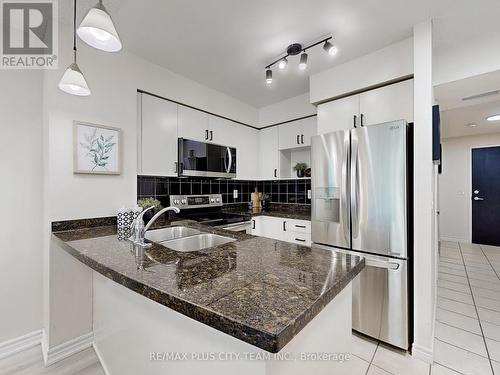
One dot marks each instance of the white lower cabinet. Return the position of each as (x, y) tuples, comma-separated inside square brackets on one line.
[(278, 228)]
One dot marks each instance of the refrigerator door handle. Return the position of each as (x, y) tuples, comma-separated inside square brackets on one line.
[(343, 193), (354, 188), (381, 264)]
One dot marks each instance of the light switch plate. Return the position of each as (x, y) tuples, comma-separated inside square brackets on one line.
[(235, 193), (308, 194)]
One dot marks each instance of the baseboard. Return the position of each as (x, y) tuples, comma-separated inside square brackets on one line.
[(101, 359), (18, 344), (454, 239), (424, 354), (66, 349)]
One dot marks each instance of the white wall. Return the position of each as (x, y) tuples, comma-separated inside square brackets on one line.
[(21, 190), (389, 63), (455, 185), (289, 109), (424, 257)]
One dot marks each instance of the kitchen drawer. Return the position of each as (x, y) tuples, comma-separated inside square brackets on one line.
[(299, 226), (299, 238)]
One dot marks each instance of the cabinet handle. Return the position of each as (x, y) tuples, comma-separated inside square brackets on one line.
[(284, 226), (276, 173), (355, 121), (176, 167), (300, 240), (302, 138), (253, 224), (206, 135), (298, 139), (362, 117), (300, 226), (211, 135)]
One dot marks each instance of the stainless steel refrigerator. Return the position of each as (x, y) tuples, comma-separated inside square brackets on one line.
[(360, 205)]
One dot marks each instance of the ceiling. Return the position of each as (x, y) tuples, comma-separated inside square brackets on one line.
[(457, 113), (225, 44), (454, 122)]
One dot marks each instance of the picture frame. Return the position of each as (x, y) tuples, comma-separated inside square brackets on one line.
[(97, 149)]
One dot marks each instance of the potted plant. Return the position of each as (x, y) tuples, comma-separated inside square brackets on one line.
[(146, 203), (300, 168), (266, 199)]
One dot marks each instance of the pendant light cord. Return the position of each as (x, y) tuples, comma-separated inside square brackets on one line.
[(74, 31)]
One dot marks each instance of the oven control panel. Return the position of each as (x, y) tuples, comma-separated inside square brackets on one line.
[(196, 201)]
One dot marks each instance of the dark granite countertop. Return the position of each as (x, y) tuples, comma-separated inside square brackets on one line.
[(256, 289)]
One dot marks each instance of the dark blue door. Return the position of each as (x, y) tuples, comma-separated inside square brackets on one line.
[(486, 196)]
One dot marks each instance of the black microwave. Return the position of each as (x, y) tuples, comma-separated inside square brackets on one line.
[(202, 159)]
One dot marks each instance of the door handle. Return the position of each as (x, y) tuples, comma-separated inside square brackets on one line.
[(206, 134), (253, 224), (354, 189), (276, 173), (343, 193), (229, 154), (478, 199), (381, 264), (302, 138), (298, 139), (361, 119), (284, 225), (300, 240), (300, 226), (176, 169), (355, 120), (211, 135)]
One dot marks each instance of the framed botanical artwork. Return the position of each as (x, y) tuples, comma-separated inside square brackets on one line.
[(96, 149)]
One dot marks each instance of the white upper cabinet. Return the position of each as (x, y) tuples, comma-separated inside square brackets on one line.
[(389, 103), (338, 114), (246, 141), (158, 134), (268, 154), (221, 131), (309, 129), (193, 124), (297, 133), (289, 134)]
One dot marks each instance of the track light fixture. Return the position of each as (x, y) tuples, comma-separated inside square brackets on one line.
[(303, 61), (296, 49), (283, 63), (269, 76)]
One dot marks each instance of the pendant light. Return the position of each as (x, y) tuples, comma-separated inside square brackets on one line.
[(269, 76), (303, 61), (73, 82), (97, 30)]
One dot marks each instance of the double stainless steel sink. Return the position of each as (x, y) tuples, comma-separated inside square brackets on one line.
[(186, 239)]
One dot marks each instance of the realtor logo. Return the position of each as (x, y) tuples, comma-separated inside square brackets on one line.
[(29, 34)]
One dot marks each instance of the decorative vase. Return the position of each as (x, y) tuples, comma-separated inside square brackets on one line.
[(300, 173)]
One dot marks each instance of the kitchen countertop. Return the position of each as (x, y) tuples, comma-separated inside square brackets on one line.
[(256, 289)]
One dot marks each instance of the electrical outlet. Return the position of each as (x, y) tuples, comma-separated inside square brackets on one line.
[(308, 194), (235, 193)]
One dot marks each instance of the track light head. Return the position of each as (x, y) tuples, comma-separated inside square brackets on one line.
[(283, 63), (269, 76), (303, 61), (330, 48)]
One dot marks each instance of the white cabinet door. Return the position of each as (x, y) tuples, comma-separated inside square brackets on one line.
[(158, 137), (272, 227), (389, 103), (257, 225), (193, 124), (269, 153), (338, 114), (309, 129), (246, 141), (221, 131), (289, 134)]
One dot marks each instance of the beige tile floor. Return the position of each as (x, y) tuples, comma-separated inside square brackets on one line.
[(467, 335)]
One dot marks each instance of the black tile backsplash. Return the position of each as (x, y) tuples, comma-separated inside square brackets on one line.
[(280, 191)]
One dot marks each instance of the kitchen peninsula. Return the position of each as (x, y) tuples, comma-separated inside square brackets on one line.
[(251, 295)]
